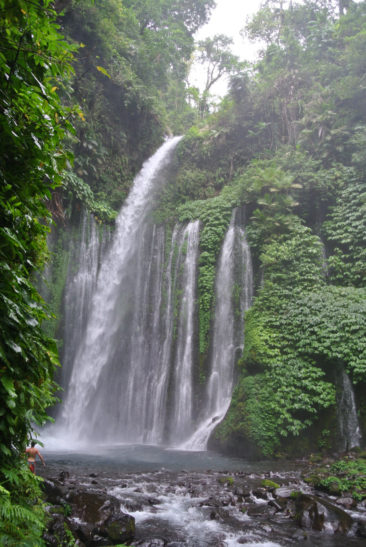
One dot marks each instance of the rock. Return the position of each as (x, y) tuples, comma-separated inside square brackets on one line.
[(284, 492), (271, 485), (57, 531), (242, 492), (63, 475), (99, 520), (276, 505), (319, 514), (346, 502), (361, 528), (54, 492), (260, 493), (118, 527), (260, 510)]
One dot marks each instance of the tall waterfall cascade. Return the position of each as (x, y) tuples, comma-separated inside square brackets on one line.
[(131, 328)]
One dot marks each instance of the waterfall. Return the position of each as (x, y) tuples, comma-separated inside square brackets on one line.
[(79, 288), (182, 413), (126, 345), (233, 282), (130, 333), (347, 414), (174, 364)]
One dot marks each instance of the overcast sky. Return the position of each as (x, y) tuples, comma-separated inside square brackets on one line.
[(228, 18)]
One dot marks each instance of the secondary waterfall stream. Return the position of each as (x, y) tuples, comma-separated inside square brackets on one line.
[(349, 428), (234, 280), (131, 327)]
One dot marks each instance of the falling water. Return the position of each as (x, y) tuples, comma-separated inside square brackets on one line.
[(233, 281), (175, 362), (116, 366), (347, 412), (131, 329), (182, 414), (79, 288)]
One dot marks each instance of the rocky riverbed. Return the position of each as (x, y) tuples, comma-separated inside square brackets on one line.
[(197, 509)]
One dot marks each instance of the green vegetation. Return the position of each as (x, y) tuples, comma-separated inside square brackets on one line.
[(129, 79), (269, 484), (35, 62), (346, 476), (228, 481), (287, 145)]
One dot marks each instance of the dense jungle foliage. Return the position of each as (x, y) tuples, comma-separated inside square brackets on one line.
[(34, 62), (287, 145), (130, 72)]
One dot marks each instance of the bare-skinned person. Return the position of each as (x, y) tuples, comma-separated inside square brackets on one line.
[(32, 453)]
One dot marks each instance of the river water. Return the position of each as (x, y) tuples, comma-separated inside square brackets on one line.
[(193, 499), (147, 458)]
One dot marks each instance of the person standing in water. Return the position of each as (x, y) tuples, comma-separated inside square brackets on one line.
[(32, 452)]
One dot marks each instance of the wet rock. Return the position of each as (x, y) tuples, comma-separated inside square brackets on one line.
[(284, 492), (259, 510), (260, 493), (54, 492), (56, 533), (63, 475), (98, 519), (321, 515), (242, 492), (138, 503), (276, 505), (361, 529), (346, 502)]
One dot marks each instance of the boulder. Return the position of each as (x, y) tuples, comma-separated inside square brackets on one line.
[(54, 491), (361, 529), (321, 515), (99, 518), (260, 493), (348, 503), (58, 532)]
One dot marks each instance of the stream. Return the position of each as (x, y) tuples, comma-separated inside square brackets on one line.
[(200, 499)]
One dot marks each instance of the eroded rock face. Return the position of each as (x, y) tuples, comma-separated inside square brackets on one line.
[(93, 517)]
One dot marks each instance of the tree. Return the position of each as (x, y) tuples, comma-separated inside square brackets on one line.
[(215, 55)]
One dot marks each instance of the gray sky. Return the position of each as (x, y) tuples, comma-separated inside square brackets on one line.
[(228, 18)]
